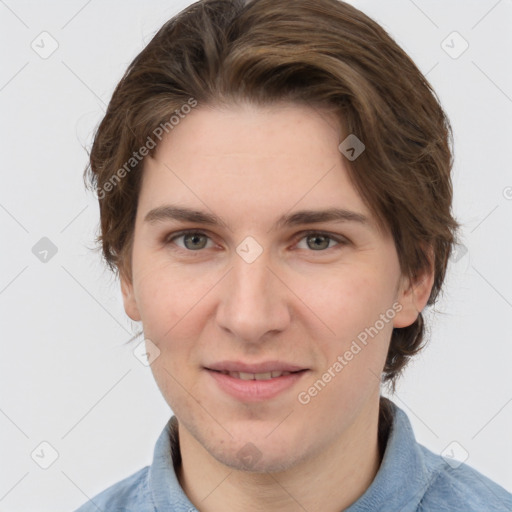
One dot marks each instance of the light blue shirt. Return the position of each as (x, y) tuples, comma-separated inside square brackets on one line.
[(410, 478)]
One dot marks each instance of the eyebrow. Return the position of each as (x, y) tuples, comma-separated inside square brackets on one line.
[(180, 213)]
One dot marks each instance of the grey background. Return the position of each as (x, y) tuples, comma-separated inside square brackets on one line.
[(65, 374)]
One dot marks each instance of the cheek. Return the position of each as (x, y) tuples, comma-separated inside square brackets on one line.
[(347, 300), (173, 315), (354, 356), (175, 303), (355, 345), (171, 300)]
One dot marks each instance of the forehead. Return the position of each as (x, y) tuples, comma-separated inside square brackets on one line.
[(252, 161), (285, 131)]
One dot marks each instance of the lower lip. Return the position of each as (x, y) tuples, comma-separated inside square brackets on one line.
[(255, 390)]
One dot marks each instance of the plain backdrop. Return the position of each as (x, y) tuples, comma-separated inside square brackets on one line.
[(66, 376)]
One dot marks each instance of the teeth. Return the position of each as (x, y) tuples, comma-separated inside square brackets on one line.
[(263, 376), (256, 376)]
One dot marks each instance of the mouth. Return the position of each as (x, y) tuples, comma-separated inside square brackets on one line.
[(257, 376), (255, 387)]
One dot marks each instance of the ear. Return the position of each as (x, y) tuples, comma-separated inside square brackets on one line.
[(413, 296), (130, 304)]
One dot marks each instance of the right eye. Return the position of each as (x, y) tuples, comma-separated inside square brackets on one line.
[(193, 241)]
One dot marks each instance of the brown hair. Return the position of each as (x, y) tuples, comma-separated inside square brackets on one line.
[(324, 53)]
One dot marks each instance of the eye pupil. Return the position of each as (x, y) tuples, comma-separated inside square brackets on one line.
[(321, 238), (194, 237)]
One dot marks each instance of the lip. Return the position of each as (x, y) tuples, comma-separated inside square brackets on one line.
[(255, 390), (263, 367)]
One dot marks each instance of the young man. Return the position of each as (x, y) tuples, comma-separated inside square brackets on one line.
[(275, 193)]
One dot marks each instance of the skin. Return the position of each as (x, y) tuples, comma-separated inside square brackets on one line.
[(296, 303)]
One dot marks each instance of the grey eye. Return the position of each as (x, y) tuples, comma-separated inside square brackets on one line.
[(194, 241), (318, 241)]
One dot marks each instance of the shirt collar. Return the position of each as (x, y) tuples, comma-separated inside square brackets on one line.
[(164, 485), (399, 484)]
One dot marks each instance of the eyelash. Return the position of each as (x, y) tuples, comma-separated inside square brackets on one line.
[(341, 241)]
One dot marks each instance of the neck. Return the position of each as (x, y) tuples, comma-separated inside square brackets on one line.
[(331, 480)]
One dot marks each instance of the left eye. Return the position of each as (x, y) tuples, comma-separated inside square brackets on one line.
[(319, 241)]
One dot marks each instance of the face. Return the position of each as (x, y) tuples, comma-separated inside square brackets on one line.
[(250, 285)]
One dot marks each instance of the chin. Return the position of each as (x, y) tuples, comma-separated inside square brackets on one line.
[(260, 463)]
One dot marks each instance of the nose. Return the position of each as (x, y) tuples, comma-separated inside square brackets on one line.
[(254, 301)]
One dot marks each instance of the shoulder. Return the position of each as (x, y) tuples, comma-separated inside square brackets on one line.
[(128, 495), (462, 488)]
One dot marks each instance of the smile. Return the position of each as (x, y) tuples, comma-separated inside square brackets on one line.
[(255, 387), (256, 376)]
